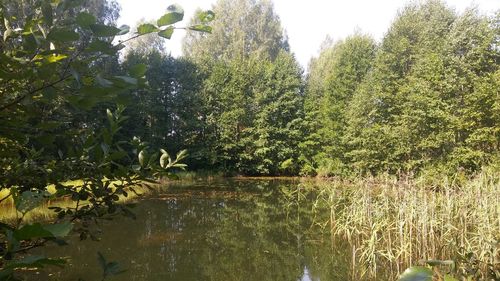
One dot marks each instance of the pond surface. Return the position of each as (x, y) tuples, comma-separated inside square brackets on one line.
[(223, 230)]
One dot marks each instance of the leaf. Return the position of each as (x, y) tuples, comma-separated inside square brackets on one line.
[(138, 70), (175, 14), (102, 30), (103, 82), (167, 33), (181, 155), (146, 28), (101, 46), (34, 262), (113, 268), (7, 34), (108, 268), (85, 20), (63, 35), (101, 260), (164, 159), (206, 16), (31, 231), (124, 29), (47, 13), (59, 230), (75, 75), (128, 80), (6, 274), (416, 273), (28, 201), (49, 125), (141, 157), (110, 116), (55, 58), (201, 28)]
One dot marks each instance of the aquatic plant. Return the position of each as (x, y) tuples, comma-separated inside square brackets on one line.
[(393, 224)]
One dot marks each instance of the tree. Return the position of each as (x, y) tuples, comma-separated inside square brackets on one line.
[(47, 78), (168, 112), (333, 79), (414, 110), (277, 126), (242, 27), (252, 111)]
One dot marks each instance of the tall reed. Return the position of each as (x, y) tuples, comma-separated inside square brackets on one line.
[(393, 224)]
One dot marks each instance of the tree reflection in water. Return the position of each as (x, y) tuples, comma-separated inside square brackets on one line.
[(228, 230)]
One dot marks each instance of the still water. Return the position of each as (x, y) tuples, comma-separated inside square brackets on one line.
[(222, 230)]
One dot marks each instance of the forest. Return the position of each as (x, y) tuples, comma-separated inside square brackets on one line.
[(423, 99), (92, 113)]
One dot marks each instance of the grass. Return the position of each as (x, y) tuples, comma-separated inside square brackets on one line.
[(9, 214), (393, 224)]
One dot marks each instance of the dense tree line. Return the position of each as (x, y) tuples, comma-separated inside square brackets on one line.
[(424, 98), (235, 101)]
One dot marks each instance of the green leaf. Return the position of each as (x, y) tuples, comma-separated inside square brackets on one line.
[(124, 29), (416, 273), (108, 268), (59, 230), (102, 30), (146, 28), (29, 200), (31, 231), (206, 16), (101, 46), (63, 35), (6, 274), (85, 20), (8, 33), (75, 75), (103, 82), (175, 14), (181, 155), (101, 260), (128, 80), (201, 28), (55, 57), (138, 70), (34, 262), (47, 13), (167, 33)]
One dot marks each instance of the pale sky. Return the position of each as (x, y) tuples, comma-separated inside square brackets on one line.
[(307, 23)]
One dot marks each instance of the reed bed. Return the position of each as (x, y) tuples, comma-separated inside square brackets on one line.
[(393, 224)]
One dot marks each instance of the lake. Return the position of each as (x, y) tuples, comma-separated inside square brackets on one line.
[(219, 230)]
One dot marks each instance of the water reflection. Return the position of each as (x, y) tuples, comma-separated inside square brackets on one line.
[(231, 230)]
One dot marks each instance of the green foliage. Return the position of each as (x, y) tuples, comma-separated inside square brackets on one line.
[(254, 113), (242, 28), (108, 268), (416, 273), (333, 79), (56, 81), (424, 99)]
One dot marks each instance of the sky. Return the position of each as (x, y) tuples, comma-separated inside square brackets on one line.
[(307, 23)]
